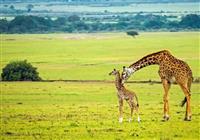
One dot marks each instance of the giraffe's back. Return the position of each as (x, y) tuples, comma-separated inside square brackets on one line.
[(173, 67), (129, 95)]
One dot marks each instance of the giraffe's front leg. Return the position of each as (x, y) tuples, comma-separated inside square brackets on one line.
[(120, 110)]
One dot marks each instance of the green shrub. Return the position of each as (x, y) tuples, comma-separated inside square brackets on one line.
[(20, 71), (132, 33)]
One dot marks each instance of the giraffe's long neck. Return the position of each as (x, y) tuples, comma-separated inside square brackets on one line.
[(118, 81), (151, 59)]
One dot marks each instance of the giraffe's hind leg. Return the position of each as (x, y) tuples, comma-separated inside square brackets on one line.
[(137, 111), (130, 102), (186, 91), (166, 85)]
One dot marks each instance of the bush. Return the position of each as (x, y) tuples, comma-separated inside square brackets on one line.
[(192, 21), (20, 71), (132, 33)]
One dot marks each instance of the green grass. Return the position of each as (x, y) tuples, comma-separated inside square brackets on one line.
[(93, 56), (61, 110)]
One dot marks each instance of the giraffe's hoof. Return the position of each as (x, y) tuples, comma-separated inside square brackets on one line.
[(139, 120), (188, 118), (120, 120), (166, 118), (130, 120)]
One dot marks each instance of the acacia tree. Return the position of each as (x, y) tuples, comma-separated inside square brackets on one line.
[(12, 7), (29, 7), (132, 33)]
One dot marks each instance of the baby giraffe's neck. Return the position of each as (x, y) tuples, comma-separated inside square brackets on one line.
[(118, 81)]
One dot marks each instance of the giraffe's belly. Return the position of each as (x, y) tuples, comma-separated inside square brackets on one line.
[(122, 95)]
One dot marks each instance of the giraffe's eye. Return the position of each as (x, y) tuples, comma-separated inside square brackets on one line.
[(124, 74)]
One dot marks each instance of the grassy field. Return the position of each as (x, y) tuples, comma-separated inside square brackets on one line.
[(64, 110), (92, 56), (60, 110)]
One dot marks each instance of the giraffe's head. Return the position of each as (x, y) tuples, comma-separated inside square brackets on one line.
[(126, 73), (114, 72)]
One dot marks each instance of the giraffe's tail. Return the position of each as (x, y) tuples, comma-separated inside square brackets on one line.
[(189, 83), (183, 102), (137, 100)]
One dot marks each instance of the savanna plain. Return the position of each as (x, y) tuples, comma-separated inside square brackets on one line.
[(89, 110)]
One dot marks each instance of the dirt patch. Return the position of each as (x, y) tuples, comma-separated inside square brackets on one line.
[(9, 133), (74, 37), (98, 81), (101, 81), (90, 64), (46, 38), (10, 39), (86, 36)]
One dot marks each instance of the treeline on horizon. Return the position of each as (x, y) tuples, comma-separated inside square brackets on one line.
[(73, 23), (103, 1)]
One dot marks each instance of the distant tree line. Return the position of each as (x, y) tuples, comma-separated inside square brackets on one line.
[(103, 1), (73, 23)]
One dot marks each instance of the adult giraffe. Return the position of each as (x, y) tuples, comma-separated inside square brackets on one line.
[(169, 67)]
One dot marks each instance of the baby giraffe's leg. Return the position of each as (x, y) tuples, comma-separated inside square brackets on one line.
[(120, 110), (137, 111), (130, 102)]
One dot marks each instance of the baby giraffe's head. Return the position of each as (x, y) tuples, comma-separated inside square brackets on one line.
[(114, 72), (118, 80)]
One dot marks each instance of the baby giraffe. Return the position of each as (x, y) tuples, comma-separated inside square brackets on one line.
[(124, 94)]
